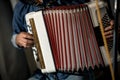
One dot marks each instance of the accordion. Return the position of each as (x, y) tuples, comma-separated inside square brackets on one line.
[(65, 39)]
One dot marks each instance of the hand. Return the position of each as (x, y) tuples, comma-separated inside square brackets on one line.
[(109, 31), (25, 40), (39, 1)]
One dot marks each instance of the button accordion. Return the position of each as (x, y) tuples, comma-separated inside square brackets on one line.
[(65, 39)]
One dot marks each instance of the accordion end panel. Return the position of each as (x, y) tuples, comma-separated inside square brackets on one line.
[(105, 21), (43, 42)]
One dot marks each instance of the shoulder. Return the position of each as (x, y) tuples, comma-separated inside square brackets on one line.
[(21, 8)]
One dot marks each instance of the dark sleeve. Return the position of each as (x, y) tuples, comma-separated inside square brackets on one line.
[(20, 10)]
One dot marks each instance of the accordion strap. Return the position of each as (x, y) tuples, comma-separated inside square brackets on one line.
[(105, 41)]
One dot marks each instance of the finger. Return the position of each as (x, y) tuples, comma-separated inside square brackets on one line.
[(28, 43), (22, 42), (111, 26), (111, 22), (109, 33), (30, 37), (108, 28), (109, 37), (24, 45), (27, 35)]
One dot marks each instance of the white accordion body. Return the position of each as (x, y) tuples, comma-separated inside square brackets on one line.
[(44, 42), (66, 38)]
